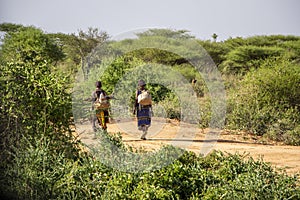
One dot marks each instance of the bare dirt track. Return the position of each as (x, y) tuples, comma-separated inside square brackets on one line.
[(164, 132)]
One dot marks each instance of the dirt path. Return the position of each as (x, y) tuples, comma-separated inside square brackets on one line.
[(184, 135)]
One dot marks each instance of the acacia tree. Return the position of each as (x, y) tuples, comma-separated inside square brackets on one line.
[(167, 33), (83, 44)]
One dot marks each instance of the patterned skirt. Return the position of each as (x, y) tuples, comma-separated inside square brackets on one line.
[(106, 114), (144, 116)]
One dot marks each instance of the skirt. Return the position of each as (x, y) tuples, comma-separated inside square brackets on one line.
[(144, 116), (106, 114)]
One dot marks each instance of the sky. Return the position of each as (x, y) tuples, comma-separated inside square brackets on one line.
[(202, 18)]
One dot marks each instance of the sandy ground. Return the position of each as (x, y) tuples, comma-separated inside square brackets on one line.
[(201, 141)]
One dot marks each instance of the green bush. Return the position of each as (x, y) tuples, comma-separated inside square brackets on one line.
[(267, 101), (171, 106), (43, 171), (34, 99), (36, 169), (35, 103)]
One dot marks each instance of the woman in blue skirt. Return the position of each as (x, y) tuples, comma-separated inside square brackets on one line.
[(143, 108)]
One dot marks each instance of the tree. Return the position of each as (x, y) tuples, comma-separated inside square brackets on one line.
[(84, 43), (78, 46), (243, 58), (216, 50), (10, 28), (175, 34), (214, 36), (29, 45)]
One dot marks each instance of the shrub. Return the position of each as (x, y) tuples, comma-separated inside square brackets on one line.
[(35, 103), (43, 172), (267, 100), (34, 99), (171, 106)]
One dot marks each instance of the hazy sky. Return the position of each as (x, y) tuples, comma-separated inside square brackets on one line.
[(226, 18)]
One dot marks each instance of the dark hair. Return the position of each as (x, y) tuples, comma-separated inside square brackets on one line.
[(98, 84)]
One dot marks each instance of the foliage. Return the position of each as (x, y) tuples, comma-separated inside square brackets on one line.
[(216, 50), (39, 173), (40, 159), (244, 58), (38, 167), (158, 56), (79, 46), (268, 100), (237, 178), (167, 33), (243, 54), (29, 45), (34, 101), (118, 68), (31, 92), (9, 27), (171, 106), (263, 40)]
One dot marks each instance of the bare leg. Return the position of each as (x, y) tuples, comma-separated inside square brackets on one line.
[(94, 121), (144, 129)]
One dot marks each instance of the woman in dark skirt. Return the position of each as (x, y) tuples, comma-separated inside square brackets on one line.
[(143, 112)]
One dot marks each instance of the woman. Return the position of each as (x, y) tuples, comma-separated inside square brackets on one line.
[(143, 112), (99, 94)]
